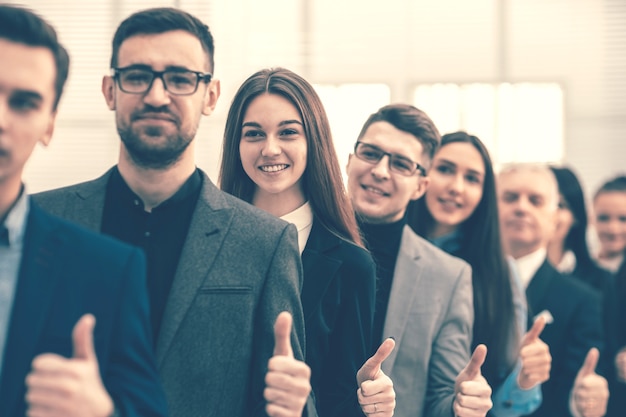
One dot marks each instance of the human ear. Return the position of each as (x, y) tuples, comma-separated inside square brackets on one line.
[(108, 91), (211, 96)]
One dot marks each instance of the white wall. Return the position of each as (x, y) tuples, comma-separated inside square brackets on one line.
[(401, 43)]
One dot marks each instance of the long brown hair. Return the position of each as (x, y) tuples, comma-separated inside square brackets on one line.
[(322, 181)]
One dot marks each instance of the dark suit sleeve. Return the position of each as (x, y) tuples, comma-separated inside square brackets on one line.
[(350, 341), (586, 332), (131, 377), (281, 292)]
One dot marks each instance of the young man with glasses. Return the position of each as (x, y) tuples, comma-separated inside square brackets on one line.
[(219, 270), (424, 296)]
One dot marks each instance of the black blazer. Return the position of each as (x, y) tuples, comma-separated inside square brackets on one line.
[(615, 306), (66, 272), (577, 327), (338, 298)]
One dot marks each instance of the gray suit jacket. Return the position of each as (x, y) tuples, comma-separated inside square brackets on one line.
[(238, 269), (430, 315)]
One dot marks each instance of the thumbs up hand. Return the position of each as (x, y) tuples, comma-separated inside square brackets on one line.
[(591, 392), (58, 386), (287, 382), (535, 357), (472, 392), (376, 394)]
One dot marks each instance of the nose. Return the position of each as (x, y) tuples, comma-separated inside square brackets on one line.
[(271, 147), (521, 205), (5, 110), (613, 226), (456, 185), (157, 95), (380, 170)]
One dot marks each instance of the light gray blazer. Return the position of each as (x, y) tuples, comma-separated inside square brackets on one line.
[(238, 269), (430, 315)]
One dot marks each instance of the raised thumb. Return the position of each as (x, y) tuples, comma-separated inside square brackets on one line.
[(282, 335), (589, 366), (472, 370), (535, 331), (82, 338), (371, 367)]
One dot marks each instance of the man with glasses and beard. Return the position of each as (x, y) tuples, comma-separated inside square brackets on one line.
[(219, 270)]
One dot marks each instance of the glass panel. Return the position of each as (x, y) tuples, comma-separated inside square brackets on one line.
[(348, 106), (520, 122)]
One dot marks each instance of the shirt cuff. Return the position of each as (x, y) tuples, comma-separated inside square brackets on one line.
[(510, 400)]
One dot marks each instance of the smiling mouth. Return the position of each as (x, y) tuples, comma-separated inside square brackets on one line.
[(273, 168), (374, 190), (154, 119), (450, 204)]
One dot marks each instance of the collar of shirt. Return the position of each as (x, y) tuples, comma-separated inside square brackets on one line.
[(302, 218), (383, 239), (568, 263), (126, 196), (612, 264), (14, 226), (528, 265), (450, 243)]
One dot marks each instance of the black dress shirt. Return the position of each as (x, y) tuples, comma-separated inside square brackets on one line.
[(383, 241), (161, 233)]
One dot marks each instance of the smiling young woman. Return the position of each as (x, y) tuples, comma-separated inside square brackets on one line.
[(278, 155), (459, 214)]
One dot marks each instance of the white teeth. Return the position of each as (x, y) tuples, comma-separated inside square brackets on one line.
[(273, 168), (450, 203), (375, 190)]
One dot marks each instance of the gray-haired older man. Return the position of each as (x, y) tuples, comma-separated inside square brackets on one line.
[(528, 201)]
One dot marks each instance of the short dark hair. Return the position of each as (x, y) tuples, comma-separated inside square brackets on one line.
[(409, 119), (160, 20), (616, 184), (322, 181), (21, 25)]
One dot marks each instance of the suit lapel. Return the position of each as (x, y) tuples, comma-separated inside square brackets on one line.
[(403, 293), (319, 266), (209, 225), (85, 204), (37, 278)]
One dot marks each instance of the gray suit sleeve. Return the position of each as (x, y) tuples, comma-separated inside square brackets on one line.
[(281, 292), (451, 348)]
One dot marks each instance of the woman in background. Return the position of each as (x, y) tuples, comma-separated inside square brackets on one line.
[(459, 214), (278, 155), (568, 250)]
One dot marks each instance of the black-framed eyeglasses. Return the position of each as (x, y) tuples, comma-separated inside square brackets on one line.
[(397, 163), (179, 82)]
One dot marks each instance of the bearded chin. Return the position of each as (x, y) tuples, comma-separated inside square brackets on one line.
[(151, 155)]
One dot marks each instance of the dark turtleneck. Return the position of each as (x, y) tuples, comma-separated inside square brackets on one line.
[(383, 242)]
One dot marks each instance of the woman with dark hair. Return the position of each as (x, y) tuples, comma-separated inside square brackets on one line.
[(459, 214), (278, 155), (568, 250)]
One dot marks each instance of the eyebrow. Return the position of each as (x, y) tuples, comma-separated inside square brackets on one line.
[(29, 94), (283, 123), (288, 122), (471, 171), (176, 68)]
